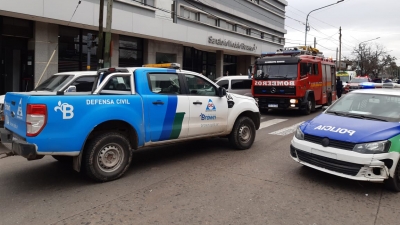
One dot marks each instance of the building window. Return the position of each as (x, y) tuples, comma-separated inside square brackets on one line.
[(165, 58), (73, 50), (262, 35), (248, 31), (240, 29), (230, 62), (190, 14), (130, 51)]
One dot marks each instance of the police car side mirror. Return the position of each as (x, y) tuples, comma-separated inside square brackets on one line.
[(221, 92), (71, 88)]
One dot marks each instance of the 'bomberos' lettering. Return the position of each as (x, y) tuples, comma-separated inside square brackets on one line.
[(274, 83)]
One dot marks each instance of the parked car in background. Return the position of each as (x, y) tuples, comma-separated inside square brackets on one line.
[(236, 84), (354, 83), (78, 81)]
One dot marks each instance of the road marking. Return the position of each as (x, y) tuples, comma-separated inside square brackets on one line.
[(263, 117), (270, 123), (287, 130)]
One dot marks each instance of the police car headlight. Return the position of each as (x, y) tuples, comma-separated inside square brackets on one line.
[(299, 134), (373, 147)]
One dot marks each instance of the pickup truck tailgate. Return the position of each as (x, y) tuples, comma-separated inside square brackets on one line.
[(15, 112)]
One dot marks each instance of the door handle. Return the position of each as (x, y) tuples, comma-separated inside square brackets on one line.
[(158, 103), (197, 103)]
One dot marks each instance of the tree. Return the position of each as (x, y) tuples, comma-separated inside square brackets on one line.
[(372, 60)]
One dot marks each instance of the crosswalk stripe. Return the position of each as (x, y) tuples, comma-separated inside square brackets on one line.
[(271, 122), (287, 130)]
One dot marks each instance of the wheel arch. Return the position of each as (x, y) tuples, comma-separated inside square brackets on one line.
[(119, 126)]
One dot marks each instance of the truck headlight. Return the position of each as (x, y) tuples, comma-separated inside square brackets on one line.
[(299, 134), (373, 147)]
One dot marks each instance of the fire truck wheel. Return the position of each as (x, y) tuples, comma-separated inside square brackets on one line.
[(329, 102), (310, 106)]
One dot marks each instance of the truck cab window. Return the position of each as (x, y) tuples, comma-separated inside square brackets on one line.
[(165, 84), (199, 86), (84, 84), (118, 83)]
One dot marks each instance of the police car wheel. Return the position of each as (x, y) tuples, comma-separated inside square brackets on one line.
[(63, 159), (243, 133), (393, 183), (107, 157)]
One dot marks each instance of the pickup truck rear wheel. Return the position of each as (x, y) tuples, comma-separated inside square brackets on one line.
[(107, 157), (243, 133)]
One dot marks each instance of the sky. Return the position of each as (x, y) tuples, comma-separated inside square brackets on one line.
[(361, 20)]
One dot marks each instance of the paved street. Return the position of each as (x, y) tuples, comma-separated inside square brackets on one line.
[(201, 182)]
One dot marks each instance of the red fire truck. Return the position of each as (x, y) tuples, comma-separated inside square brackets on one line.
[(294, 78)]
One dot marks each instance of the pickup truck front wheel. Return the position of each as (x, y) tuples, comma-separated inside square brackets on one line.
[(243, 133), (107, 157)]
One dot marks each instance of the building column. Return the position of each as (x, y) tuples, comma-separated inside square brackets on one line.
[(45, 42), (219, 64), (115, 50), (243, 63)]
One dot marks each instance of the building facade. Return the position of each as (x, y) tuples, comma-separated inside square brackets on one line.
[(213, 37)]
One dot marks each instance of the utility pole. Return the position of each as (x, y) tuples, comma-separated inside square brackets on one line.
[(337, 58), (315, 42), (107, 55), (100, 43), (340, 46)]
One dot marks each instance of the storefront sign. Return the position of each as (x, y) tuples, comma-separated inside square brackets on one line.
[(231, 44)]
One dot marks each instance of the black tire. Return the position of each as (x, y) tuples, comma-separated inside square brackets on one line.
[(393, 183), (308, 107), (329, 100), (95, 158), (243, 133), (63, 159)]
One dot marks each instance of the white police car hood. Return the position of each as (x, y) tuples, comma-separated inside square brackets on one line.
[(350, 129)]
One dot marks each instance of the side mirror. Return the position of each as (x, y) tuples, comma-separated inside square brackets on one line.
[(221, 92), (71, 88)]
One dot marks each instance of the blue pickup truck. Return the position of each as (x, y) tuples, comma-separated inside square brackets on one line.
[(127, 109)]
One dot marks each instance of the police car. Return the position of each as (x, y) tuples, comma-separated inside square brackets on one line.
[(358, 137)]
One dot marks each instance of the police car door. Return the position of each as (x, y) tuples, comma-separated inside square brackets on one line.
[(208, 111)]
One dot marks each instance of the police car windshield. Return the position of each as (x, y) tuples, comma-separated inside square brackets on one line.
[(358, 80), (368, 106), (277, 72), (54, 83)]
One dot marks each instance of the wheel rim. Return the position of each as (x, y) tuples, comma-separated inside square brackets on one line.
[(309, 104), (110, 158), (245, 134)]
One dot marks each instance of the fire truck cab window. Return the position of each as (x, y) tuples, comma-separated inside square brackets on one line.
[(283, 71), (315, 69), (304, 69)]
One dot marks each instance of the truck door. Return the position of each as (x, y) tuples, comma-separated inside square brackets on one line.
[(166, 108), (208, 111)]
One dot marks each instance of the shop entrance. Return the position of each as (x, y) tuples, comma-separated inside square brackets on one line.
[(14, 66), (16, 62)]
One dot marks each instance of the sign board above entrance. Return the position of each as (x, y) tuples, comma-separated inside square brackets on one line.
[(231, 44)]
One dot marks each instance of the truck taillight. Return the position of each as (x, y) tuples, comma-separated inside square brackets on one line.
[(36, 119)]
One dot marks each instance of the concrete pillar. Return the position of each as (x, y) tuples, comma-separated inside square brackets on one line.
[(45, 42), (243, 63), (220, 64), (115, 50), (152, 47)]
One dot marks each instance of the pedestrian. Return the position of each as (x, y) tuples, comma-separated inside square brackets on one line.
[(339, 87)]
